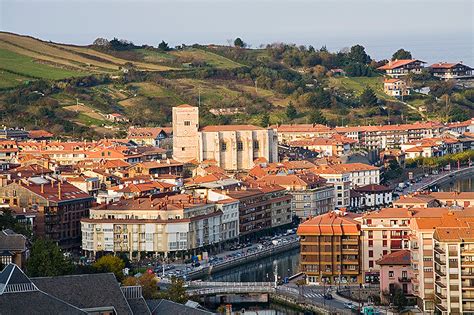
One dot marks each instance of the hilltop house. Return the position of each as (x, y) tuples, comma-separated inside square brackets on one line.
[(446, 71), (399, 68), (395, 87)]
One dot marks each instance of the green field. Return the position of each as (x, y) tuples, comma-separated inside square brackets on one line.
[(155, 56), (210, 58), (27, 67), (8, 80), (358, 84)]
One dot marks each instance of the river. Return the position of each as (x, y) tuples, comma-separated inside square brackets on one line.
[(459, 184), (261, 271)]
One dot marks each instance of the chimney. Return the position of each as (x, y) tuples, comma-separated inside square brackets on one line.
[(42, 188), (52, 183), (59, 191)]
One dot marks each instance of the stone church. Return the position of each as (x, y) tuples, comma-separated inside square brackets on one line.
[(232, 147)]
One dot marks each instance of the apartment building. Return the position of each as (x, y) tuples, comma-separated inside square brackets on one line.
[(451, 70), (311, 193), (293, 132), (454, 269), (331, 248), (336, 145), (8, 150), (155, 225), (395, 272), (260, 208), (340, 178), (386, 231), (59, 207)]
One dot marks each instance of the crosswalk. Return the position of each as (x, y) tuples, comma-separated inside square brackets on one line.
[(313, 295)]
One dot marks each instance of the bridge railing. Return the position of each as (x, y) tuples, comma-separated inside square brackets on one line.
[(228, 284), (216, 290)]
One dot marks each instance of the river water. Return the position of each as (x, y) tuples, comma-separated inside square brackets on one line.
[(263, 270), (459, 184)]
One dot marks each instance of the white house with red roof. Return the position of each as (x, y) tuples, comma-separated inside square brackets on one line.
[(448, 71), (395, 87), (399, 68)]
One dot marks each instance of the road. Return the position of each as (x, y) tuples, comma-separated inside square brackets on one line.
[(430, 179)]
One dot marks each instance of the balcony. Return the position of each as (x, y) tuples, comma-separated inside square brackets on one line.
[(438, 260), (440, 295), (404, 279), (439, 250), (440, 272), (440, 284)]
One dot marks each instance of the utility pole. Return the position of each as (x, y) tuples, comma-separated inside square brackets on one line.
[(276, 275)]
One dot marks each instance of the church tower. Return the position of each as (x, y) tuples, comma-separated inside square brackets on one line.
[(185, 133)]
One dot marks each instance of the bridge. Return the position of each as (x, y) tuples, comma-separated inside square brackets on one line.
[(212, 288)]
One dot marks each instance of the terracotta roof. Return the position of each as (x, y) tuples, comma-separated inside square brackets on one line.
[(397, 64), (453, 195), (456, 235), (290, 180), (373, 188), (35, 134), (302, 128), (406, 213), (400, 257), (58, 192), (147, 132), (391, 80), (354, 167), (332, 223), (421, 199), (447, 65), (217, 128)]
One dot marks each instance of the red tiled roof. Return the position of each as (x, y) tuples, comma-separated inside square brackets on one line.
[(401, 257), (397, 64), (331, 223)]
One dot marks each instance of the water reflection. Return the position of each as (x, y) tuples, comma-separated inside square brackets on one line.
[(459, 184), (261, 270)]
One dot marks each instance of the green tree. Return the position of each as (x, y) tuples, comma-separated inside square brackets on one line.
[(8, 221), (358, 54), (47, 260), (163, 46), (110, 263), (176, 292), (265, 120), (368, 97), (147, 281), (291, 112), (322, 98), (316, 117), (401, 54), (399, 299), (238, 42)]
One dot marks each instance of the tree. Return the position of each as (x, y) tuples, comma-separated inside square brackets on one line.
[(147, 281), (47, 260), (101, 42), (368, 97), (265, 120), (163, 46), (238, 42), (8, 221), (176, 292), (322, 98), (358, 54), (401, 54), (110, 263), (316, 117), (291, 112), (399, 299)]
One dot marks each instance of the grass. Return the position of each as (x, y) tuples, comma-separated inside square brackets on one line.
[(155, 56), (358, 84), (89, 121), (8, 80), (26, 66), (212, 59)]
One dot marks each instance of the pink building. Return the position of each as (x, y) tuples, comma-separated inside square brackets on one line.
[(395, 270)]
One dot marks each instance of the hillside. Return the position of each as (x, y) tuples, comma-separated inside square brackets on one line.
[(70, 89)]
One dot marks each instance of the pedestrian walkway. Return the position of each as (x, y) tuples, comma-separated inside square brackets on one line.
[(314, 295)]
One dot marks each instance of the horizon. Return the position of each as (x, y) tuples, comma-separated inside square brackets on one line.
[(257, 23)]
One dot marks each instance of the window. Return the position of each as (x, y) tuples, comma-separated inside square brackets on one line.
[(240, 146), (371, 234), (187, 123), (384, 243), (223, 146), (256, 145), (371, 243), (390, 273), (182, 149), (371, 253), (371, 264)]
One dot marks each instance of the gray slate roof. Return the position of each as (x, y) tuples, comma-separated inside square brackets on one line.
[(86, 291), (12, 241)]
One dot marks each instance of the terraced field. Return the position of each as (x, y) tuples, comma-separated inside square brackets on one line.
[(24, 66), (209, 57)]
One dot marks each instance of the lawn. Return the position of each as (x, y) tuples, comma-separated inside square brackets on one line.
[(212, 59), (26, 66), (8, 80), (89, 121), (358, 84), (155, 56)]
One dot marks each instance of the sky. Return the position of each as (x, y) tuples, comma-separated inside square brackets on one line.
[(434, 30)]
